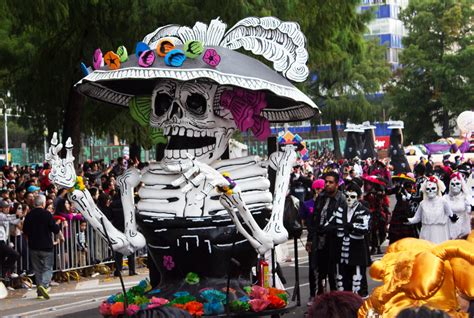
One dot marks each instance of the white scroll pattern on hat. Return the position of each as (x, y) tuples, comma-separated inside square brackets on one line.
[(280, 42)]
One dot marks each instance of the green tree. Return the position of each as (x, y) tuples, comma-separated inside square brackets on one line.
[(346, 66), (435, 83)]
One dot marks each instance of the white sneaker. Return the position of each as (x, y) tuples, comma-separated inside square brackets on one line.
[(53, 283), (13, 275)]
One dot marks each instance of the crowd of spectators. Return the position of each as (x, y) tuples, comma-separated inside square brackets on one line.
[(19, 186)]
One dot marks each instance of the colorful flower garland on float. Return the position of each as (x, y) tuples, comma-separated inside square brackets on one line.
[(210, 301)]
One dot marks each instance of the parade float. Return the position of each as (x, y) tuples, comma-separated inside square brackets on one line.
[(201, 215)]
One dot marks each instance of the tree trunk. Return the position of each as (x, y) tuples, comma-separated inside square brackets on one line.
[(335, 139), (446, 130), (72, 121)]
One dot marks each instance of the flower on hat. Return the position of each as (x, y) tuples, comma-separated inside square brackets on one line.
[(211, 57)]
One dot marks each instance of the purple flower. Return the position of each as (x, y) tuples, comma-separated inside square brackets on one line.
[(211, 57), (168, 262)]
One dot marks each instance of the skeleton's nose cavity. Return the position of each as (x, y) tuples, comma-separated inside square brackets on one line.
[(176, 111)]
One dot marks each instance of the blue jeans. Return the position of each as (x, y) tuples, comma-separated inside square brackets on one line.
[(42, 266)]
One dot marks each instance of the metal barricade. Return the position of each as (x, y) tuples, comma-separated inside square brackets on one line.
[(68, 254)]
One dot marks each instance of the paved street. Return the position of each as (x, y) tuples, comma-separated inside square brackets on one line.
[(81, 299)]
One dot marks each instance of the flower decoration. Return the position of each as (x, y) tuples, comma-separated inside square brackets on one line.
[(147, 58), (117, 309), (181, 294), (164, 46), (213, 295), (211, 57), (276, 302), (227, 189), (239, 306), (132, 309), (182, 300), (112, 60), (193, 49), (105, 309), (159, 301), (213, 308), (140, 48), (175, 58), (192, 278), (97, 60), (195, 308), (246, 106), (258, 305), (122, 53), (168, 262), (259, 292), (84, 69)]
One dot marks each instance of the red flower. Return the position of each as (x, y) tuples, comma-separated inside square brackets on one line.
[(195, 308)]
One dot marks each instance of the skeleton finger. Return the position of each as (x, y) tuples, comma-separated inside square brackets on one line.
[(58, 148), (54, 139), (194, 183), (205, 191), (69, 157), (185, 177)]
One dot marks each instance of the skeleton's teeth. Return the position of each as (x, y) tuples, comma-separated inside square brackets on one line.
[(175, 131), (189, 133), (198, 151), (182, 131), (175, 154), (166, 131), (169, 154), (197, 134), (183, 153), (203, 133)]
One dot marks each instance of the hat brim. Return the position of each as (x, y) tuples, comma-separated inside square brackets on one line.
[(403, 178), (285, 103)]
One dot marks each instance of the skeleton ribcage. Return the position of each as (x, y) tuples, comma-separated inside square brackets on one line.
[(158, 198)]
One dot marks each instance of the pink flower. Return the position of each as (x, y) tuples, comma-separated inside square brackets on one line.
[(258, 304), (132, 309), (211, 57), (168, 262), (259, 292), (159, 301), (105, 309)]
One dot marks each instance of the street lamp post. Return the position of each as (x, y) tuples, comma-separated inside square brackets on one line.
[(5, 116)]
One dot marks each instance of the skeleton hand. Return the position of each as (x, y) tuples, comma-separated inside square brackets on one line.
[(194, 173), (62, 170)]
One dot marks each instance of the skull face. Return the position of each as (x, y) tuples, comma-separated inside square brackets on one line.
[(192, 119), (431, 189), (351, 198), (455, 186)]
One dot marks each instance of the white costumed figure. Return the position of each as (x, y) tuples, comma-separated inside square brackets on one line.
[(459, 201), (434, 212), (198, 209)]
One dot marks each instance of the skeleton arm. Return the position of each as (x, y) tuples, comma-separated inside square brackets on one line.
[(282, 162), (63, 175)]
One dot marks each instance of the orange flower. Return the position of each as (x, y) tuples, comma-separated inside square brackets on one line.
[(117, 309), (275, 291), (181, 306), (276, 302), (195, 308)]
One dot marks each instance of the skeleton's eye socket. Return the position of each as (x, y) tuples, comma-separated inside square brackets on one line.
[(196, 103), (162, 103)]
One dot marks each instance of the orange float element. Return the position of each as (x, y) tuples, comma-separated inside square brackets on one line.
[(164, 46), (112, 60), (416, 272)]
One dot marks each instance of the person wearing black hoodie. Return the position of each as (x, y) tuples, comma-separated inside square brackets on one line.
[(38, 226)]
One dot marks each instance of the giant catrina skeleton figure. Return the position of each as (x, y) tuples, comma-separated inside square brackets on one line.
[(187, 223)]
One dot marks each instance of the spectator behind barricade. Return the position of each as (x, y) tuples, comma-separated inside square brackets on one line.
[(33, 189), (61, 196), (16, 237), (8, 256), (51, 192), (297, 183), (5, 196), (20, 194), (94, 192), (38, 226), (336, 304), (81, 242), (103, 203), (64, 209), (422, 312), (120, 167), (44, 177)]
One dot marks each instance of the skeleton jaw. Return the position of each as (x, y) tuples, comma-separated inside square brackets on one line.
[(206, 145)]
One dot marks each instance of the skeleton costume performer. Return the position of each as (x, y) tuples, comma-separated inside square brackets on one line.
[(378, 203), (433, 212), (191, 86), (458, 199), (353, 258), (404, 190)]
